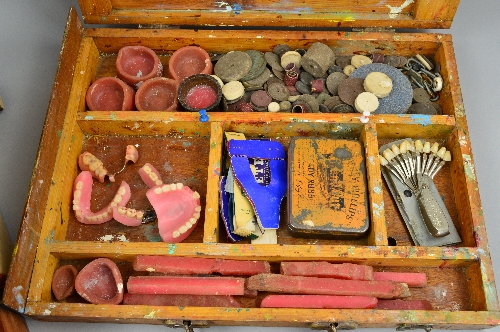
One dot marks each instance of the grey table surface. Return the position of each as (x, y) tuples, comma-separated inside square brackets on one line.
[(30, 40)]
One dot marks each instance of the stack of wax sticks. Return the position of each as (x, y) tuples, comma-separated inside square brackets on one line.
[(188, 281)]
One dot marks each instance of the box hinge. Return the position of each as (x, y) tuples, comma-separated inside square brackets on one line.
[(187, 325), (158, 26), (374, 29), (405, 327), (333, 327)]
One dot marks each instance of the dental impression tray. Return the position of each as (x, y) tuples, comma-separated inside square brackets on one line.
[(408, 169)]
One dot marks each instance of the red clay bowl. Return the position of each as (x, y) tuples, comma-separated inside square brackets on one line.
[(135, 64), (188, 61), (157, 94), (63, 281), (110, 94), (100, 282)]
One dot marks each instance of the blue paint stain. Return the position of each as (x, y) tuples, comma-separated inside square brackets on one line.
[(237, 8), (171, 248), (422, 119), (89, 117)]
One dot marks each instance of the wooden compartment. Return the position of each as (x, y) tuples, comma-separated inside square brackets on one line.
[(461, 283)]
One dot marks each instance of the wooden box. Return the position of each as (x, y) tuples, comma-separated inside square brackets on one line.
[(191, 151)]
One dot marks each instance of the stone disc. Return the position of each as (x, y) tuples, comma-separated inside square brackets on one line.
[(400, 98), (233, 66)]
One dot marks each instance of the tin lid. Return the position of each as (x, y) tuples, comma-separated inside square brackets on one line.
[(419, 14)]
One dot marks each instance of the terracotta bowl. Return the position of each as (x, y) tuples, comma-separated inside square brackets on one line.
[(198, 92), (157, 94), (63, 281), (110, 94), (100, 282), (188, 61), (136, 64)]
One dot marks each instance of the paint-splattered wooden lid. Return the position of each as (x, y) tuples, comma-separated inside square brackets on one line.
[(421, 14)]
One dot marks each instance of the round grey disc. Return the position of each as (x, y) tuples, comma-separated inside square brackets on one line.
[(233, 66), (422, 108), (400, 98)]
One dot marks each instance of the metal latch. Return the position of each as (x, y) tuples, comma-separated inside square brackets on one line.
[(333, 327), (405, 327), (186, 324)]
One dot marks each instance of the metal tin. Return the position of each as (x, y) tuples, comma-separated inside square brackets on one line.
[(327, 193)]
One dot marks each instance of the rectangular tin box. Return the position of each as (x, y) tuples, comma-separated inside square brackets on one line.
[(50, 235)]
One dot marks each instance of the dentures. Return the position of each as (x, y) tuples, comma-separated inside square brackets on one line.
[(178, 210), (88, 162), (82, 191)]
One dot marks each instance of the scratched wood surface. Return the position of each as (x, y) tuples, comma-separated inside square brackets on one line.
[(185, 150), (337, 13)]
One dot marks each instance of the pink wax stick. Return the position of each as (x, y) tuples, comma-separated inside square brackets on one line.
[(186, 285), (326, 286), (187, 265), (319, 302), (181, 300), (327, 270), (411, 279), (404, 305)]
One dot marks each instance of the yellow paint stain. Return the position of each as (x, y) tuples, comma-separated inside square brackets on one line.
[(151, 315)]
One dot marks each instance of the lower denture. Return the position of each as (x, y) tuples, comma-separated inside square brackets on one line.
[(82, 191)]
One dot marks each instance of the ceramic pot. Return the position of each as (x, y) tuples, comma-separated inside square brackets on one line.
[(136, 64), (110, 94), (157, 94), (100, 282), (188, 61)]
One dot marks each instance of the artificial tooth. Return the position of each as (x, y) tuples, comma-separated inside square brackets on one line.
[(79, 185), (122, 191), (176, 234), (122, 210), (183, 229), (165, 188), (117, 199), (158, 182), (196, 195), (173, 186), (77, 194), (130, 213), (147, 169), (179, 186), (158, 190), (153, 176), (139, 215), (196, 215), (198, 208)]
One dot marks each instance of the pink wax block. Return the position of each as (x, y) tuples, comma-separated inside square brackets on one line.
[(319, 302), (181, 300), (327, 270), (404, 305), (188, 61), (186, 285), (187, 265), (110, 94), (136, 64), (157, 94), (326, 286), (411, 279)]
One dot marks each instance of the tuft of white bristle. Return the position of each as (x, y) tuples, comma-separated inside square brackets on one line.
[(383, 161), (435, 148), (403, 147), (388, 154), (418, 146), (441, 152), (395, 149), (427, 147), (447, 156)]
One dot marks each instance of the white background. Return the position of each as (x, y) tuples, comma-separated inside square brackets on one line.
[(30, 40)]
